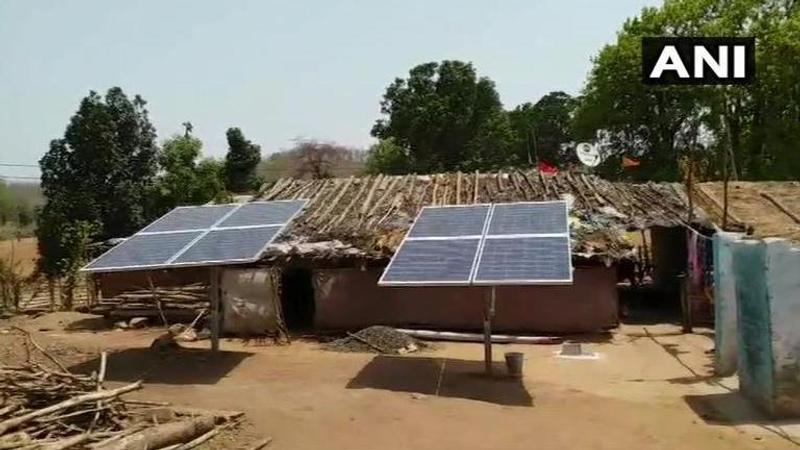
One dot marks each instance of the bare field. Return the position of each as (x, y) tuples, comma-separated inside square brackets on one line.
[(651, 388), (23, 252)]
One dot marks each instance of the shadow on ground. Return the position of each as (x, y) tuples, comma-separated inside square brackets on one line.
[(184, 366), (443, 377), (98, 323), (732, 408)]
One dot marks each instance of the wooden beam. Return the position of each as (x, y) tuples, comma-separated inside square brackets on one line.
[(487, 331), (214, 272), (784, 209)]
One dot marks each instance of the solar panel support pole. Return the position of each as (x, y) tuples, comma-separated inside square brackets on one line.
[(487, 331), (215, 319)]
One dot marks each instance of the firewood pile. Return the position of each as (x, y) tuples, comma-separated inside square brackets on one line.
[(178, 302), (45, 408)]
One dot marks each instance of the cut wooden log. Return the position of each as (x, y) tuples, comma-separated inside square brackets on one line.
[(164, 435)]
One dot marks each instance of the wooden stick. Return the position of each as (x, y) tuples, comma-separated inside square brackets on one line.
[(778, 204), (68, 442), (100, 378), (261, 444), (74, 401), (39, 347), (198, 440), (157, 300)]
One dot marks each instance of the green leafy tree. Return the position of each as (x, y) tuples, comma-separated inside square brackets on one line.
[(447, 119), (241, 162), (542, 128), (661, 125), (183, 180), (96, 178), (387, 157)]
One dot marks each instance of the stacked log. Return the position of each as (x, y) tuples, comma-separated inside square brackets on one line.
[(45, 408), (175, 302)]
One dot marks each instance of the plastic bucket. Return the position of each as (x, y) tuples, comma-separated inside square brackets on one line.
[(514, 362)]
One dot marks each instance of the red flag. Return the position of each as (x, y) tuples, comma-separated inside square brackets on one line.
[(629, 162), (547, 169)]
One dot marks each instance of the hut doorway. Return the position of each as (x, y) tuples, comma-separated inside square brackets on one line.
[(297, 298)]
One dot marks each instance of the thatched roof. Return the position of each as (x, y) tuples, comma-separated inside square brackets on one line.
[(368, 216), (771, 208)]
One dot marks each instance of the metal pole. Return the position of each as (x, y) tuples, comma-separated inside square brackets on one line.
[(214, 294), (487, 331)]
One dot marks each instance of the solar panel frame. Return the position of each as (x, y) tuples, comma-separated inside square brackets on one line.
[(153, 227), (518, 282), (562, 227), (253, 222), (386, 275), (414, 233), (382, 281), (121, 246), (484, 237), (202, 233), (256, 253), (476, 281)]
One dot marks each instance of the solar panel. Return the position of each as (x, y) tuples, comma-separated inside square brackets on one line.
[(229, 245), (431, 262), (262, 213), (189, 218), (516, 243), (201, 235), (524, 260), (143, 250), (450, 221), (529, 218)]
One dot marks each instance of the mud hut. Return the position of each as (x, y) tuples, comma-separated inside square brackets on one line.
[(322, 273)]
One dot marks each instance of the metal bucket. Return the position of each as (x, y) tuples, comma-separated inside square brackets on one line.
[(514, 362)]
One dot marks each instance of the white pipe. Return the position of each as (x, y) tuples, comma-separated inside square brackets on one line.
[(475, 337)]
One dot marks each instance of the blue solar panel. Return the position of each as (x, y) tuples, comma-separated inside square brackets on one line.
[(432, 262), (450, 221), (522, 243), (263, 213), (523, 260), (235, 233), (529, 218), (189, 218), (229, 245), (143, 250)]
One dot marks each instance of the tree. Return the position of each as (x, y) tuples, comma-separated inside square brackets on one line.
[(314, 159), (542, 128), (756, 124), (241, 162), (95, 179), (447, 118), (184, 181), (387, 157)]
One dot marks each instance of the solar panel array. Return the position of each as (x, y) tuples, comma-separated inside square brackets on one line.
[(512, 243), (201, 235)]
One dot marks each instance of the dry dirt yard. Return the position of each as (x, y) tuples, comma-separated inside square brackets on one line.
[(650, 388)]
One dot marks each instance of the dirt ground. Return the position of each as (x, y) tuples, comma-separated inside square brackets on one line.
[(650, 388)]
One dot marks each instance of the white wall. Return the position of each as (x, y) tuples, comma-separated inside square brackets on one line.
[(725, 348), (783, 280)]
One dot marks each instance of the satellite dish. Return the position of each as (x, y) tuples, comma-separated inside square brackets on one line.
[(588, 154)]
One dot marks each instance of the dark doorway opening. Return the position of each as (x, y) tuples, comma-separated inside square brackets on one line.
[(297, 298)]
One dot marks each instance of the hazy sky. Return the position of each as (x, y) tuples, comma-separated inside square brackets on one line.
[(278, 70)]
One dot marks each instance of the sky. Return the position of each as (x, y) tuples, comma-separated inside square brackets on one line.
[(279, 70)]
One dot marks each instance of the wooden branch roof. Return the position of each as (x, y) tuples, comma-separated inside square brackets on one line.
[(771, 208), (369, 215)]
